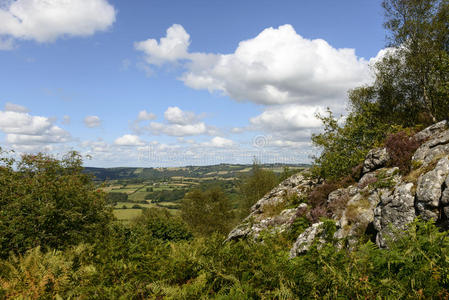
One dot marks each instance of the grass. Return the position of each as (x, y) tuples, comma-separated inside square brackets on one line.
[(127, 214)]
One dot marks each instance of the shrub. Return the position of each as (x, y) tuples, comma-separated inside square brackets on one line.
[(207, 212), (401, 147), (318, 195), (160, 224), (48, 202)]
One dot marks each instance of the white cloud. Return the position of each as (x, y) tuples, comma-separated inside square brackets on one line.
[(48, 20), (23, 123), (145, 116), (15, 107), (170, 48), (287, 118), (219, 142), (276, 67), (129, 140), (92, 121), (24, 129), (178, 129), (175, 115), (179, 123)]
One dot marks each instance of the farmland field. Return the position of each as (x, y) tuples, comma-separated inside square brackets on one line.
[(140, 188)]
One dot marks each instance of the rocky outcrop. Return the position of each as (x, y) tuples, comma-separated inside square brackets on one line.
[(394, 211), (381, 204), (375, 159), (262, 215), (306, 239)]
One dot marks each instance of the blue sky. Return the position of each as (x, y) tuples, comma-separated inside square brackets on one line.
[(169, 83)]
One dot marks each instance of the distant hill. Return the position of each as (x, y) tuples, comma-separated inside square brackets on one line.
[(221, 170)]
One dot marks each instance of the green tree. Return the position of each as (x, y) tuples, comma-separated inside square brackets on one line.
[(48, 202), (412, 80), (207, 211), (160, 224), (255, 186), (345, 146)]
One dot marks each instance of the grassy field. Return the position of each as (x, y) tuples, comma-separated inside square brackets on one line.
[(142, 191)]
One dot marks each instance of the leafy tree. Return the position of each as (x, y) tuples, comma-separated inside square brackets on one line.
[(48, 202), (158, 223), (345, 146), (412, 79), (207, 211), (255, 186), (114, 198)]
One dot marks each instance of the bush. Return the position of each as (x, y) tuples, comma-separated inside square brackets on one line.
[(207, 212), (48, 202), (160, 224), (401, 147), (255, 186)]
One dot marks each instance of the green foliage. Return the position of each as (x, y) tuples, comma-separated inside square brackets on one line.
[(345, 146), (207, 211), (114, 198), (48, 202), (161, 224), (255, 186), (127, 265)]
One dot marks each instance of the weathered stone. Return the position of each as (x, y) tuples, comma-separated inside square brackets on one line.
[(431, 131), (259, 220), (359, 213), (430, 184), (306, 239), (436, 147), (394, 212), (375, 159), (445, 194), (381, 202)]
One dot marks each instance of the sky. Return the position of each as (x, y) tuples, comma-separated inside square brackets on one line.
[(172, 83)]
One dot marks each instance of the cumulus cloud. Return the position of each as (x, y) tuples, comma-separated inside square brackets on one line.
[(288, 118), (175, 115), (15, 107), (178, 129), (22, 128), (145, 116), (219, 142), (129, 140), (278, 66), (169, 49), (48, 20), (92, 121), (181, 123)]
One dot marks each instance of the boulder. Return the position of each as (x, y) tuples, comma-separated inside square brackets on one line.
[(431, 131), (434, 148), (395, 210), (375, 159), (305, 239), (430, 188)]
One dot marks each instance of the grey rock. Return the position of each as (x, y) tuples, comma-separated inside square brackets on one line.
[(305, 239), (430, 184), (396, 209), (434, 148), (431, 131), (375, 159), (259, 220)]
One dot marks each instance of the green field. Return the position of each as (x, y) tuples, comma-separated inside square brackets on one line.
[(165, 187)]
